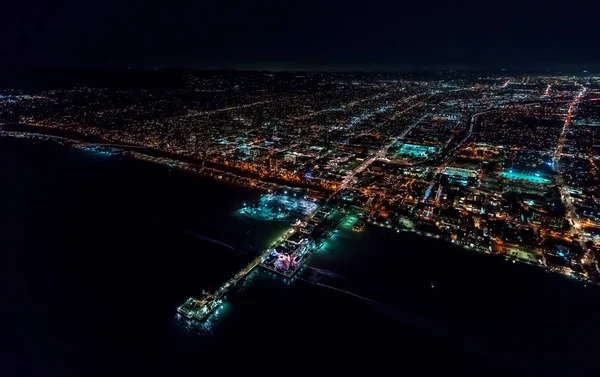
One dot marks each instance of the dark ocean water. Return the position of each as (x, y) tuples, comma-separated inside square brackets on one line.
[(95, 259)]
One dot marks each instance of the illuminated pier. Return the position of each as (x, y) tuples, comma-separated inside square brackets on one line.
[(285, 258), (199, 309)]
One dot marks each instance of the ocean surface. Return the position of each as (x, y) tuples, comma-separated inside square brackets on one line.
[(98, 251)]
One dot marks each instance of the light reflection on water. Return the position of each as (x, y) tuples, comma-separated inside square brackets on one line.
[(205, 328), (243, 286), (210, 326)]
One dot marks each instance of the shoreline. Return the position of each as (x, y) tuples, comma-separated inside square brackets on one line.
[(153, 153), (203, 171), (497, 255), (247, 183)]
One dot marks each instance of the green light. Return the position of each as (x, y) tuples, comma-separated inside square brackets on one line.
[(416, 150), (517, 176)]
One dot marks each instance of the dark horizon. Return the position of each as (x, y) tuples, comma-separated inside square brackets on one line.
[(570, 69), (331, 36), (28, 78), (554, 68)]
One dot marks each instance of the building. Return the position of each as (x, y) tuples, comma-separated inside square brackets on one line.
[(442, 117), (274, 164), (290, 157), (461, 172)]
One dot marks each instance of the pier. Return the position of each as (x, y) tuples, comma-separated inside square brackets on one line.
[(295, 247)]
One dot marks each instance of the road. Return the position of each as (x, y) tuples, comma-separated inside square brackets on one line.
[(450, 156), (339, 108), (380, 154), (563, 135), (571, 214)]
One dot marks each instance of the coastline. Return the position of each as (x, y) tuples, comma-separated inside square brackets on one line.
[(497, 255), (203, 171), (152, 154), (249, 183)]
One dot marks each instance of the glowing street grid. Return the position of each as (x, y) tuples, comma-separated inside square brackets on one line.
[(519, 176), (280, 207), (415, 150)]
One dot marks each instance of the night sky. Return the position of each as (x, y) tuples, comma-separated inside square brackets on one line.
[(281, 35)]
